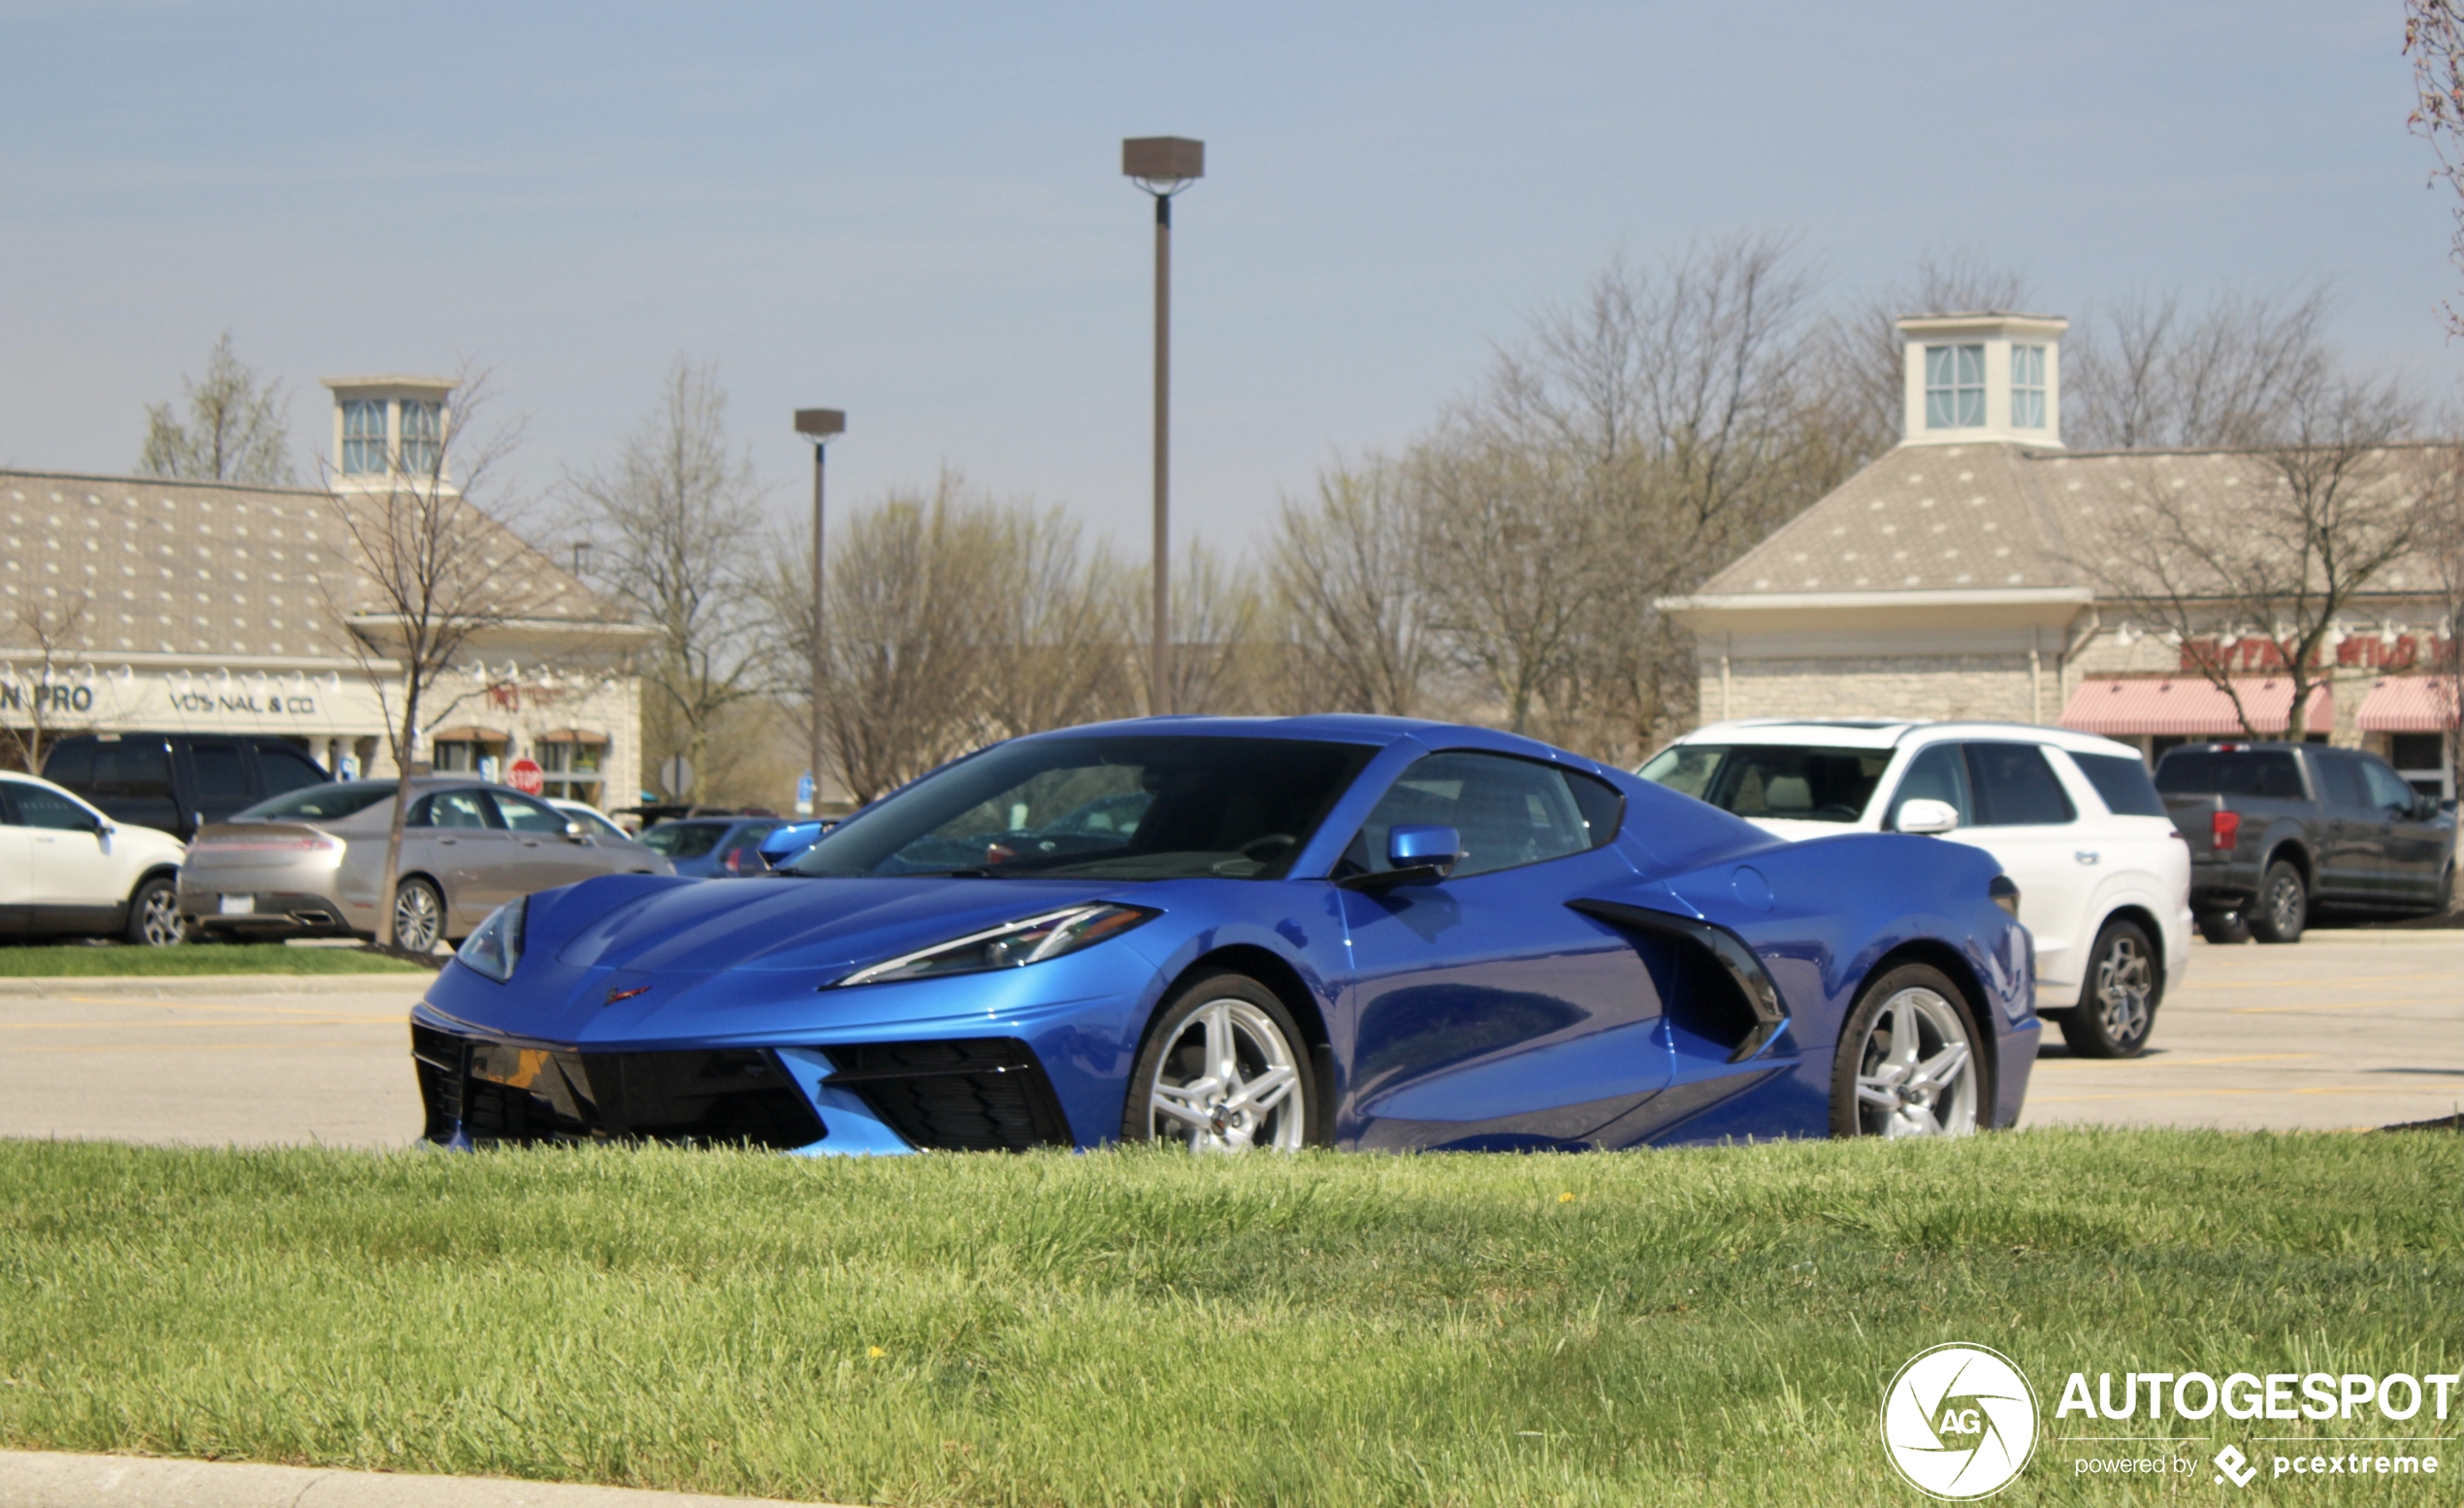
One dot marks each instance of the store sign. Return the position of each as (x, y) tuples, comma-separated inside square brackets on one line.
[(224, 701), (2357, 652)]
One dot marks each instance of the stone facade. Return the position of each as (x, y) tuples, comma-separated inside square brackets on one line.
[(1998, 687)]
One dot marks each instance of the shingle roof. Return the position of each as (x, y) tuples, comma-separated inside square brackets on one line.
[(207, 568), (1985, 515)]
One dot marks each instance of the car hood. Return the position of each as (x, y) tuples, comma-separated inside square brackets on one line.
[(787, 925)]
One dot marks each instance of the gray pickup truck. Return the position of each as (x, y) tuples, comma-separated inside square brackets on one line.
[(2281, 832)]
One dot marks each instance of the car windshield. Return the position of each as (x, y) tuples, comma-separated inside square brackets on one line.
[(684, 839), (320, 802), (1125, 807), (1791, 781)]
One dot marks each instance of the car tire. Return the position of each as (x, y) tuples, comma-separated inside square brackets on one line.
[(153, 914), (1893, 1074), (419, 915), (2118, 1001), (2283, 907), (2224, 927), (1267, 1098)]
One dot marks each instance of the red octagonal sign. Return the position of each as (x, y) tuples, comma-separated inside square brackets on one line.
[(524, 776)]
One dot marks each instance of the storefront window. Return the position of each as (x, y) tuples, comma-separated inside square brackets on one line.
[(572, 770)]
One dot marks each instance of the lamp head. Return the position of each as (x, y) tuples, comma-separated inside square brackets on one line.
[(1163, 165), (820, 424)]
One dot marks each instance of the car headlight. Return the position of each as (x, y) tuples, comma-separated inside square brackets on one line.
[(1012, 946), (497, 946)]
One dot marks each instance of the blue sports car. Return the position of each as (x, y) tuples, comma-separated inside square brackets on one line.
[(1361, 932)]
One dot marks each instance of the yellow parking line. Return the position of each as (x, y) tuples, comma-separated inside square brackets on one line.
[(195, 1025), (257, 1010), (190, 1047), (2298, 984), (2261, 1010), (2170, 1063), (2194, 1093)]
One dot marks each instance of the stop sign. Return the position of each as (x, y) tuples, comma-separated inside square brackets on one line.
[(524, 777)]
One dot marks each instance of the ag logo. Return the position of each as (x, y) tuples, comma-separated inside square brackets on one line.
[(1960, 1422)]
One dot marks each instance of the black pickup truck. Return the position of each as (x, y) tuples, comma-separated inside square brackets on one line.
[(2281, 832)]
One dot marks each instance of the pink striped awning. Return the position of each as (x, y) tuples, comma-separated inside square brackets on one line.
[(2409, 704), (2192, 707)]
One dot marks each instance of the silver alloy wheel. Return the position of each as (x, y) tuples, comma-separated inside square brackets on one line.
[(1228, 1082), (415, 917), (1916, 1072), (158, 923), (2285, 902), (2125, 982)]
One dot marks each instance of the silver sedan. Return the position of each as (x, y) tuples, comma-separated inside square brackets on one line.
[(308, 863)]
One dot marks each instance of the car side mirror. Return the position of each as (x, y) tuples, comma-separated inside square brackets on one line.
[(1923, 815), (575, 829), (1420, 853)]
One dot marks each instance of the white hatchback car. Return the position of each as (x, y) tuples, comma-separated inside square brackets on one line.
[(68, 871), (2103, 876)]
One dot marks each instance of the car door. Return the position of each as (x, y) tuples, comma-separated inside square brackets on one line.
[(76, 877), (2351, 834), (545, 854), (2412, 849), (1483, 1011), (16, 868), (219, 782), (2027, 822), (475, 853)]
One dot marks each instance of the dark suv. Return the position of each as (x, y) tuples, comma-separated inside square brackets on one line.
[(178, 782), (2279, 830)]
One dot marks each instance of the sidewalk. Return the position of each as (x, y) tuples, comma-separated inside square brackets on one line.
[(42, 1478)]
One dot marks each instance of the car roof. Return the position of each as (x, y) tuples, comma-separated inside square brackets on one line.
[(1872, 733), (1334, 728)]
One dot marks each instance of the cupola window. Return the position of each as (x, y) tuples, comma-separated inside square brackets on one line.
[(1954, 386), (2027, 387), (363, 436)]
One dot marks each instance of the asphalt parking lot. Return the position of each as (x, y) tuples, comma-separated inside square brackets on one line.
[(2345, 1030)]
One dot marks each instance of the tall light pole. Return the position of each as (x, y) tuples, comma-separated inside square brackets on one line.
[(820, 426), (1163, 166)]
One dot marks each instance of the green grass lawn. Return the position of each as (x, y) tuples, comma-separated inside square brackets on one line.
[(218, 958), (1127, 1328)]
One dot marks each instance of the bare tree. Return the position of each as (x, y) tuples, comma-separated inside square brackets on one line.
[(46, 636), (236, 431), (1347, 594), (1215, 646), (907, 597), (2434, 38), (424, 573), (673, 523), (1054, 619), (2247, 370), (2443, 549), (2275, 563)]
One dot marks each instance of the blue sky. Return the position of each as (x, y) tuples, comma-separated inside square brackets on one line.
[(914, 211)]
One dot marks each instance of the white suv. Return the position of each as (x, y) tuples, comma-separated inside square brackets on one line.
[(68, 871), (2103, 876)]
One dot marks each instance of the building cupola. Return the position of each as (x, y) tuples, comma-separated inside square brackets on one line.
[(1989, 376), (389, 430)]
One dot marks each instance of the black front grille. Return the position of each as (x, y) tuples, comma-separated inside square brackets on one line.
[(975, 1095), (499, 1092)]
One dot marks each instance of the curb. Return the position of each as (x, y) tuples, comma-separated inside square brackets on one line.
[(47, 1479), (175, 987)]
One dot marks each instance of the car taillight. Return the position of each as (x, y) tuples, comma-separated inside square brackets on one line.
[(735, 860), (2225, 830)]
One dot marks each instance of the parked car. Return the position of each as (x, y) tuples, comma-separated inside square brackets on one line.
[(712, 848), (307, 865), (2280, 833), (67, 869), (2104, 881), (178, 782), (1367, 932)]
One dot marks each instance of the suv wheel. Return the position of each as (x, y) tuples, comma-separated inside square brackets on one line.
[(153, 914), (2118, 1004), (2283, 908)]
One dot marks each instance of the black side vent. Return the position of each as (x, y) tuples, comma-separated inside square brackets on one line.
[(972, 1095), (1724, 994)]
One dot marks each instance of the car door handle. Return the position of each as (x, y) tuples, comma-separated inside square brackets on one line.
[(448, 841), (2088, 856), (529, 842)]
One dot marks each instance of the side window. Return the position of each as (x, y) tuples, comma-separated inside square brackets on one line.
[(2339, 780), (222, 780), (2016, 788), (2122, 781), (2277, 778), (2387, 789), (1507, 811), (133, 771), (524, 815), (286, 770), (7, 804), (1935, 774), (37, 807), (454, 809)]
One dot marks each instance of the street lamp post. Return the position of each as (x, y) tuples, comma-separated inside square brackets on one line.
[(1163, 166), (820, 426)]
